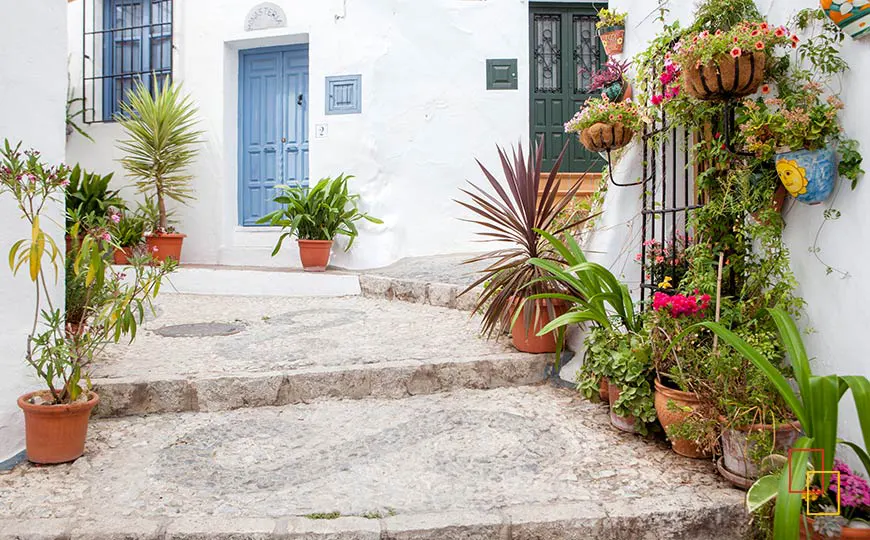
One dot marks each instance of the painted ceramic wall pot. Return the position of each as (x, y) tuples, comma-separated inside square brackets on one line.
[(852, 16), (808, 175), (613, 39)]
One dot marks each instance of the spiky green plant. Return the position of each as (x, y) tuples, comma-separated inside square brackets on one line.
[(160, 124)]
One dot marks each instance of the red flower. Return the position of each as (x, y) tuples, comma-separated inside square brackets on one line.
[(794, 42), (765, 89), (755, 33), (736, 52), (736, 39), (718, 32), (779, 32), (764, 26), (759, 46), (657, 99)]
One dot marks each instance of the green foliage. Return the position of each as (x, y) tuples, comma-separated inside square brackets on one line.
[(88, 195), (850, 161), (610, 17), (712, 15), (318, 213), (160, 125), (129, 231), (631, 370), (513, 213), (822, 42)]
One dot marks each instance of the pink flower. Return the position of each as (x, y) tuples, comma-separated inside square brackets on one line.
[(657, 99), (64, 183), (780, 32), (155, 249), (116, 218), (107, 237), (666, 77), (736, 52), (759, 46), (673, 91)]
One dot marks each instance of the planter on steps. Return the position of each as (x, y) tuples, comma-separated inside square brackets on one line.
[(56, 433), (622, 423), (122, 256), (736, 464), (604, 389), (849, 533), (684, 404), (314, 254), (165, 246), (525, 338)]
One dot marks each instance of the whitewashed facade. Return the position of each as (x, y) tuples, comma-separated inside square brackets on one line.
[(33, 64)]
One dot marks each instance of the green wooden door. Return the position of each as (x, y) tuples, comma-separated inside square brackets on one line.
[(565, 51)]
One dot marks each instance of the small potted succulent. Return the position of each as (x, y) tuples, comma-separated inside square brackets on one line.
[(605, 125), (102, 308), (801, 132), (611, 80), (729, 64), (316, 215), (161, 144), (611, 29)]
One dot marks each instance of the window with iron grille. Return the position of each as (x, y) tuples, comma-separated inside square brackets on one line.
[(124, 41)]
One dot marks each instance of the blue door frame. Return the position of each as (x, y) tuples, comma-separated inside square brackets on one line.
[(273, 126)]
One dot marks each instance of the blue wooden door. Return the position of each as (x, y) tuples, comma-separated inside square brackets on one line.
[(273, 126)]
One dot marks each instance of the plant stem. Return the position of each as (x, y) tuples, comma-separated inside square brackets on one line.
[(718, 301)]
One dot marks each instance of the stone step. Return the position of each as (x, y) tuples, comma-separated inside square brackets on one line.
[(208, 353), (517, 463)]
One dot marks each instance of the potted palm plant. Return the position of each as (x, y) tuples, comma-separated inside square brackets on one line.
[(316, 216), (160, 125), (105, 308), (512, 214)]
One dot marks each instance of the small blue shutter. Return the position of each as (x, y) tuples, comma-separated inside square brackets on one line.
[(344, 94)]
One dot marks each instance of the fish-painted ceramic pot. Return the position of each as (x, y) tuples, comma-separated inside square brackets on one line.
[(809, 175), (852, 16)]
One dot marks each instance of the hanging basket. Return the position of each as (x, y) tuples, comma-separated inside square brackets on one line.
[(725, 77), (852, 19), (613, 39), (809, 175), (602, 137)]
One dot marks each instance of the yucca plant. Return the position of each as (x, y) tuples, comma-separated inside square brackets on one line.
[(160, 124), (317, 213), (816, 407), (525, 203)]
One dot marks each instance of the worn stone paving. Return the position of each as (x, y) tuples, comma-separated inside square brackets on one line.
[(433, 269), (285, 334), (466, 451)]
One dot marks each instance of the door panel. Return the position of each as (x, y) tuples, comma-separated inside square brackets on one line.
[(565, 50), (273, 126)]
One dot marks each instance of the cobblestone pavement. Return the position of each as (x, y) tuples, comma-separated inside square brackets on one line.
[(433, 269), (463, 451)]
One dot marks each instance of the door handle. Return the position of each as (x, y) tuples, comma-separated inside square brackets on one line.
[(283, 139), (299, 99)]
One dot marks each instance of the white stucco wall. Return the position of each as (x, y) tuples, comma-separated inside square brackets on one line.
[(838, 309), (33, 64), (426, 115)]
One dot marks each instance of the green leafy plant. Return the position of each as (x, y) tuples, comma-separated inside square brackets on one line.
[(128, 229), (107, 307), (712, 15), (317, 213), (610, 17), (816, 406), (629, 367), (517, 216), (160, 125), (88, 195)]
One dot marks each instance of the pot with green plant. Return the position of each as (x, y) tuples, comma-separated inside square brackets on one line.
[(605, 125), (128, 231), (611, 30), (680, 371), (612, 81), (800, 131), (513, 213), (88, 197), (106, 306), (815, 404), (316, 215), (161, 145), (726, 64)]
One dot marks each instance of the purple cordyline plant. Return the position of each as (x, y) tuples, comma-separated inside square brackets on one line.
[(614, 71)]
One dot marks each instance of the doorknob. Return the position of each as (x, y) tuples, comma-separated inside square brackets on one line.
[(299, 100), (283, 139)]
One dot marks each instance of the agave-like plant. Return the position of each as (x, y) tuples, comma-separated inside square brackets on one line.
[(816, 407), (514, 216), (160, 123)]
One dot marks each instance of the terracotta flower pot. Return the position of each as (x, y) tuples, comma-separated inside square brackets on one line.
[(601, 137), (849, 533), (165, 246), (613, 39), (314, 254), (737, 449), (622, 423), (725, 77), (526, 339), (668, 417), (122, 256), (604, 389), (56, 433)]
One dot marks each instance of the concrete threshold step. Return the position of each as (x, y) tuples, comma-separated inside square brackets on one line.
[(510, 463)]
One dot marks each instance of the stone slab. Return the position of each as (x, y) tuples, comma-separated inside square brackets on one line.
[(537, 456)]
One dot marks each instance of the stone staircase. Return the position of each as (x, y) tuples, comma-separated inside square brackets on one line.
[(351, 418)]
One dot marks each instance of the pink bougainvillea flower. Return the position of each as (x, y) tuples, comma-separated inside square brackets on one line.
[(657, 99), (736, 52), (666, 77)]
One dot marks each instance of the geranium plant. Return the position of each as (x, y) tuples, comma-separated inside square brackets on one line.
[(744, 38), (604, 111)]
